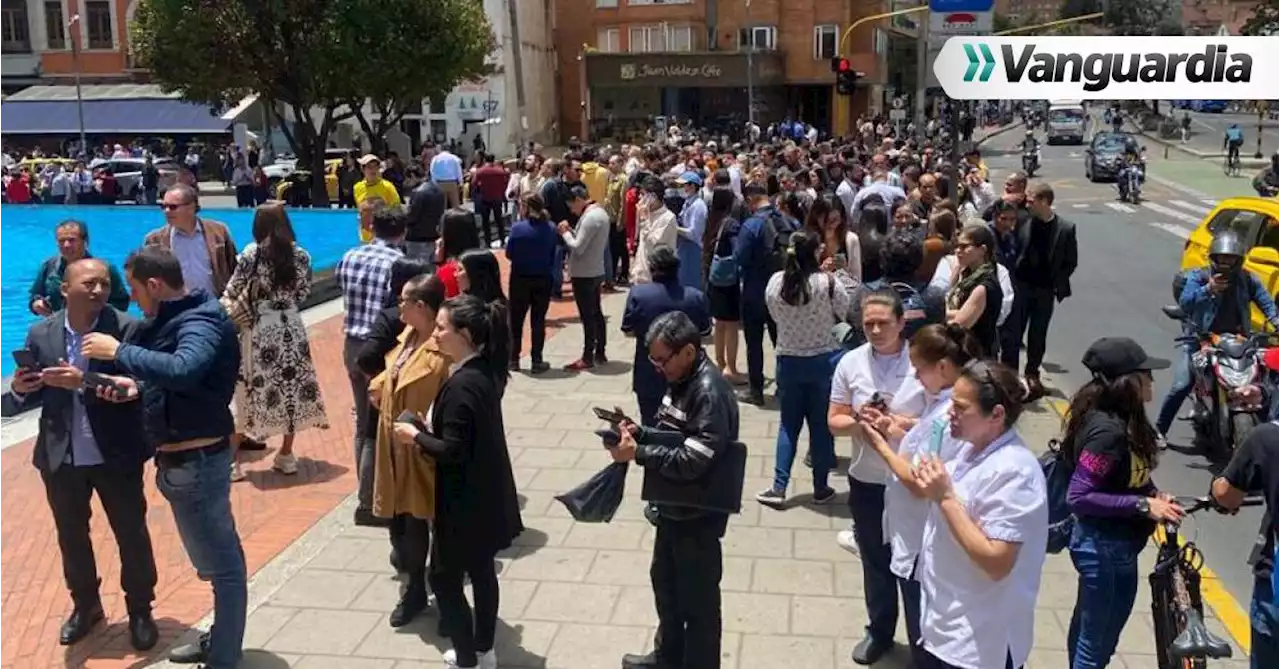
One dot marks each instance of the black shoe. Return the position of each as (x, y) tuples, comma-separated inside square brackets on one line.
[(601, 359), (869, 650), (649, 661), (80, 623), (143, 633), (755, 397), (191, 653), (410, 605), (365, 518), (250, 444), (825, 495), (513, 366), (539, 367)]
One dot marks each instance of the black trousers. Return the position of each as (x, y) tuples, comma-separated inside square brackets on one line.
[(529, 295), (411, 539), (755, 323), (621, 258), (244, 196), (880, 586), (69, 490), (1032, 309), (686, 570), (491, 210), (470, 634), (586, 294)]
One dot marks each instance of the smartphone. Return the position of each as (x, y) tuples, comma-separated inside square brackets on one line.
[(878, 402), (609, 438), (610, 416), (411, 418), (96, 380), (26, 359)]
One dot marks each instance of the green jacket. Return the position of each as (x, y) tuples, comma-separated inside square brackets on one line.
[(48, 284)]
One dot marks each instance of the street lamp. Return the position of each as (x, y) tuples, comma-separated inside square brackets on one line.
[(751, 76), (75, 61)]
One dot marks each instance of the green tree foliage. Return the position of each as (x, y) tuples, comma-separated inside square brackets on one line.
[(1139, 17), (317, 59), (1264, 20)]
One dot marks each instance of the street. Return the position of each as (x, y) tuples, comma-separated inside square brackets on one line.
[(1207, 131)]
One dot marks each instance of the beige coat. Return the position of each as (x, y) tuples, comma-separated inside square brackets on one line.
[(403, 479)]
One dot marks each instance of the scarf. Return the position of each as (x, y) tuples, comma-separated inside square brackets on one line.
[(969, 279)]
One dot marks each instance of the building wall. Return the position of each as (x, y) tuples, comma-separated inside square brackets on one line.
[(1206, 16), (98, 64)]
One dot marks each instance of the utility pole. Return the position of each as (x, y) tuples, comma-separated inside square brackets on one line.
[(751, 70), (922, 72), (74, 23), (517, 64)]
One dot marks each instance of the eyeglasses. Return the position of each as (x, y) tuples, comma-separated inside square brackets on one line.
[(173, 207), (961, 246)]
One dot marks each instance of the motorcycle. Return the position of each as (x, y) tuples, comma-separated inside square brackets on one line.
[(1129, 184), (1228, 397), (1030, 161)]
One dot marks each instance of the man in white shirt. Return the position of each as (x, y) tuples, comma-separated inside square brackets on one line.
[(655, 226), (446, 170), (847, 191)]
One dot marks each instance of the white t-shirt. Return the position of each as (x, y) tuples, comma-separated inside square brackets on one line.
[(862, 373), (904, 513), (966, 619)]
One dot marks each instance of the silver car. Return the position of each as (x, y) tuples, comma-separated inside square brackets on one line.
[(128, 174)]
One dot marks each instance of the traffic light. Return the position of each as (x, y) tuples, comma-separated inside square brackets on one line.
[(846, 77)]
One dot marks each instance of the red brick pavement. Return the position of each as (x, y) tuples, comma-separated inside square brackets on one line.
[(272, 511)]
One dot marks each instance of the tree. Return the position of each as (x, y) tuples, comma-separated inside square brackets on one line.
[(1136, 17), (1001, 23), (1263, 21), (313, 58)]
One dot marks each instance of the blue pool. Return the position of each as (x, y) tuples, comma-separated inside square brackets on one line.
[(114, 232)]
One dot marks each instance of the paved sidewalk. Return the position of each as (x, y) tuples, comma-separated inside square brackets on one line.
[(577, 596)]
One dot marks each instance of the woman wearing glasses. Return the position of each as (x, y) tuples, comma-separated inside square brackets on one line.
[(974, 299), (984, 539)]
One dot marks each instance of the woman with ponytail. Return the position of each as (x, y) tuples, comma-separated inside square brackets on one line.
[(805, 302), (938, 353), (477, 513)]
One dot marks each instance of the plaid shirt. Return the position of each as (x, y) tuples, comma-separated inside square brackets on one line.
[(364, 274)]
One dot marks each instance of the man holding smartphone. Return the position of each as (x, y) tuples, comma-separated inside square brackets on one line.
[(89, 444)]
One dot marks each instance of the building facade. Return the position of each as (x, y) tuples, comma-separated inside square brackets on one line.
[(1214, 17), (37, 34), (624, 62)]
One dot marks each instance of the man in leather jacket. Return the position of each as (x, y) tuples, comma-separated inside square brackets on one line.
[(697, 426)]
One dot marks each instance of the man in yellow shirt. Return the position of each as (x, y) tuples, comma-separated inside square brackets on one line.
[(372, 191)]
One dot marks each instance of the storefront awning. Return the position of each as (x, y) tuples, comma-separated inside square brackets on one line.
[(166, 116)]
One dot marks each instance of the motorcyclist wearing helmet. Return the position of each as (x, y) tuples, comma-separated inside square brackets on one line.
[(1265, 182), (1232, 139), (1131, 159), (1031, 145), (1215, 299)]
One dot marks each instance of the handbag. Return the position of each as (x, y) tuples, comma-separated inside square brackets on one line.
[(243, 311), (724, 269)]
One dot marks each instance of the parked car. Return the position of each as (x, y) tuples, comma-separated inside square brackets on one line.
[(128, 174)]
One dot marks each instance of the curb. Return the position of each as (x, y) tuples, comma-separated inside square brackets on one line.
[(1245, 162), (1233, 616), (997, 133)]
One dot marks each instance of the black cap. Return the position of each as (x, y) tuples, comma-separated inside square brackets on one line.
[(1112, 357)]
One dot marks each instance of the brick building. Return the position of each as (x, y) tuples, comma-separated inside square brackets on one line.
[(1208, 17), (1029, 12), (37, 38), (621, 62)]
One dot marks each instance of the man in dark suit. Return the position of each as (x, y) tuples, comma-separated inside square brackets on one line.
[(1047, 257), (87, 444), (426, 208), (645, 303)]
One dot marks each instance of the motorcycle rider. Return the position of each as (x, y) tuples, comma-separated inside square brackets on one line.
[(1232, 139), (1031, 145), (1214, 299), (1265, 181), (1132, 161)]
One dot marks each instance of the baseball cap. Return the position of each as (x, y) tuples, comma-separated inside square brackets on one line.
[(1112, 357), (368, 158), (690, 178)]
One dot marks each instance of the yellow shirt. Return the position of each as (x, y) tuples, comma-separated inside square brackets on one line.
[(381, 189)]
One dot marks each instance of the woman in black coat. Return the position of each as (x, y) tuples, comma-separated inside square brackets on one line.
[(477, 513)]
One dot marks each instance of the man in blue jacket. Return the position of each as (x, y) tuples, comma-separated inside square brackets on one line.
[(645, 303), (182, 363), (751, 251)]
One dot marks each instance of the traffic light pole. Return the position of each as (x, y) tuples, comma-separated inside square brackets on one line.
[(841, 102)]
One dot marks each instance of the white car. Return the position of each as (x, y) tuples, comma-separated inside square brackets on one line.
[(128, 174)]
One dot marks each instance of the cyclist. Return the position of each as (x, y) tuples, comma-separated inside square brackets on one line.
[(1255, 467), (1215, 300), (1115, 502), (1265, 181), (1232, 139)]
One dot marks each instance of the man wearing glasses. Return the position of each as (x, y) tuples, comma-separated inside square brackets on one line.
[(204, 247)]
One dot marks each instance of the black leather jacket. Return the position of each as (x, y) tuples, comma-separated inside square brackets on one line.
[(698, 421), (426, 207)]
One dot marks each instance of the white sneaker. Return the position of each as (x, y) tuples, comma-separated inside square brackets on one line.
[(237, 474), (847, 541), (286, 464), (487, 660)]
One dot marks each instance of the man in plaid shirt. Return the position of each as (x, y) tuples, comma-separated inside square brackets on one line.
[(364, 274)]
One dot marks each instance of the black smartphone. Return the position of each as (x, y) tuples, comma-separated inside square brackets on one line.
[(410, 417), (96, 380), (610, 416), (878, 402), (610, 438), (26, 359)]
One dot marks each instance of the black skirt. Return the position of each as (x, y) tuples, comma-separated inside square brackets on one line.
[(725, 302)]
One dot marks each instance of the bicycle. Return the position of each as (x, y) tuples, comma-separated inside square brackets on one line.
[(1182, 641), (1231, 163)]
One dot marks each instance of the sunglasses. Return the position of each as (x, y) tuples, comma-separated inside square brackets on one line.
[(981, 372), (173, 207)]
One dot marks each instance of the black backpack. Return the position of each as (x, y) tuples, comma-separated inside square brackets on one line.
[(1057, 477), (777, 241)]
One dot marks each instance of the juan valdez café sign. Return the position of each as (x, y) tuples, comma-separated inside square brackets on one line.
[(634, 71)]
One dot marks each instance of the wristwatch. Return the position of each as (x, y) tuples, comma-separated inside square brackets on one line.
[(1143, 506)]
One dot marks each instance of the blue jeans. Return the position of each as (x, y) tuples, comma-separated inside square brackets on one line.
[(557, 272), (1179, 390), (1262, 619), (880, 586), (1108, 569), (198, 489), (804, 389), (609, 270)]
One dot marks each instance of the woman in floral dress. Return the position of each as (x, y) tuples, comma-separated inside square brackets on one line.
[(278, 393)]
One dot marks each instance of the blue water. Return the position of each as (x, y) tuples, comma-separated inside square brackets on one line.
[(115, 231)]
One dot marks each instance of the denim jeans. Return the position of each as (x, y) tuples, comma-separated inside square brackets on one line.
[(1262, 619), (1179, 390), (198, 489), (866, 505), (557, 273), (363, 445), (804, 390), (1108, 569), (609, 276)]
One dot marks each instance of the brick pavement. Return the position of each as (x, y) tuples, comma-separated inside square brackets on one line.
[(272, 512), (577, 596)]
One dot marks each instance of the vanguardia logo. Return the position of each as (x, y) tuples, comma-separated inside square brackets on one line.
[(1125, 67)]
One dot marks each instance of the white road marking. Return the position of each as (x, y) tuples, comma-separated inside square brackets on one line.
[(1173, 213), (1081, 205), (1176, 230), (1210, 201), (1197, 208), (1121, 207)]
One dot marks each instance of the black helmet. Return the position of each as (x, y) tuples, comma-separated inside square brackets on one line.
[(1226, 243)]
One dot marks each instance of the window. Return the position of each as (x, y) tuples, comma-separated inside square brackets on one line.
[(661, 37), (14, 32), (679, 38), (825, 39), (1247, 224), (606, 4), (101, 35), (761, 37), (55, 26), (609, 40)]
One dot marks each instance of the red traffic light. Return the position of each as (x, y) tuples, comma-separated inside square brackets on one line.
[(843, 65)]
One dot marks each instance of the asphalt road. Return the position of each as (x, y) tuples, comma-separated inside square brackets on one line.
[(1207, 131), (1128, 257)]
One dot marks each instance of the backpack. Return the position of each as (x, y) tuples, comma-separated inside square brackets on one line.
[(914, 314), (1057, 477), (777, 241)]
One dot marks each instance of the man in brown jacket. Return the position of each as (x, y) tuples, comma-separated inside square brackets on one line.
[(204, 247)]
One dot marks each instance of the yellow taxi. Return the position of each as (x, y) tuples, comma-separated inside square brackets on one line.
[(330, 180), (1254, 220), (34, 165)]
